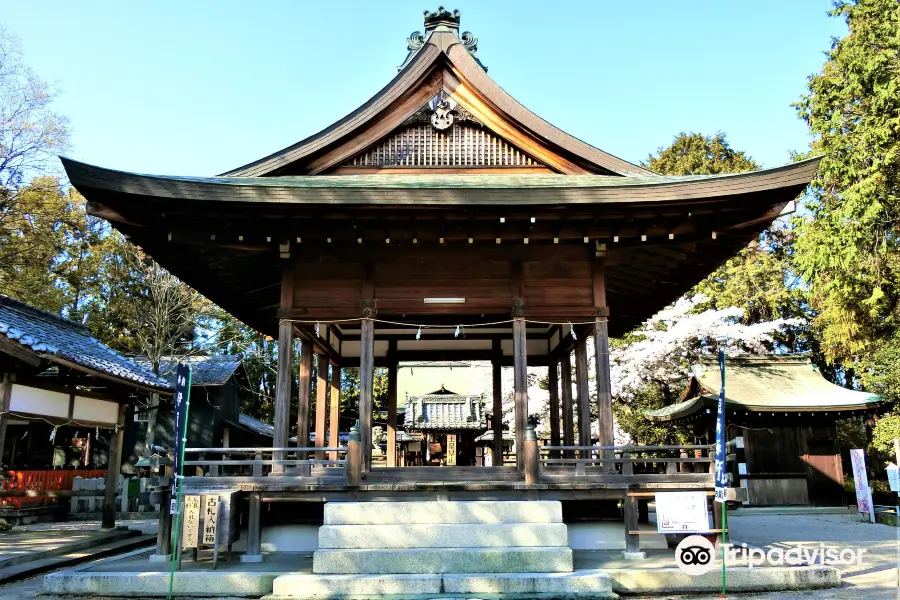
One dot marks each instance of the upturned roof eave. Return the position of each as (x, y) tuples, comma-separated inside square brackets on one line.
[(438, 190)]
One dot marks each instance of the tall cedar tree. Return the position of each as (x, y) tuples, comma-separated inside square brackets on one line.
[(848, 246)]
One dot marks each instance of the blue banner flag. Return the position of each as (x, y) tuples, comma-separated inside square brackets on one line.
[(721, 475), (182, 401)]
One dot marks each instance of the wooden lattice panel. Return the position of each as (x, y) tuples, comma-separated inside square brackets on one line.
[(422, 145)]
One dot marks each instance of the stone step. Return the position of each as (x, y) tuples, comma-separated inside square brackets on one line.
[(444, 560), (423, 513), (580, 584), (464, 535)]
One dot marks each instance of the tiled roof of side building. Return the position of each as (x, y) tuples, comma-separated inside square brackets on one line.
[(67, 343), (205, 370), (788, 383), (445, 411)]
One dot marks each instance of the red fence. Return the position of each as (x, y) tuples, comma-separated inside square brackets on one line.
[(42, 481)]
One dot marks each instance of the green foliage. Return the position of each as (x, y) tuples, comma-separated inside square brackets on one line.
[(847, 249), (886, 429), (698, 154)]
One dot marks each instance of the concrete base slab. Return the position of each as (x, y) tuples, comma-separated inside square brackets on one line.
[(150, 584), (443, 560), (251, 558), (634, 555), (584, 584), (739, 579), (160, 558), (412, 513), (470, 535)]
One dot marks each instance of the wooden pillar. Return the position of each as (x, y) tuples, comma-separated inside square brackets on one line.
[(366, 389), (304, 379), (565, 367), (584, 399), (5, 399), (531, 457), (604, 387), (354, 458), (253, 552), (392, 408), (113, 466), (164, 529), (632, 540), (497, 423), (601, 359), (520, 365), (283, 390), (321, 403), (553, 382), (334, 422)]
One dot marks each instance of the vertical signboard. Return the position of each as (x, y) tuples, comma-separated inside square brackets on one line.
[(191, 522), (210, 520), (182, 400), (451, 449), (861, 479)]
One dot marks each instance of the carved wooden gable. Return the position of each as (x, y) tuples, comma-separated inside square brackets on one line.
[(442, 134)]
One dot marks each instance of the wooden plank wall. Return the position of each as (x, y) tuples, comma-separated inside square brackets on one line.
[(553, 281)]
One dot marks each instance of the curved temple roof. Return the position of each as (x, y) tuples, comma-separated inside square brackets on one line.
[(442, 49), (440, 189), (765, 384)]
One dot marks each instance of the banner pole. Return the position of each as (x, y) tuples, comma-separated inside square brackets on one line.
[(182, 387), (720, 475)]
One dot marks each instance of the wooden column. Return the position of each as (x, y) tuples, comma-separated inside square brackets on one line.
[(253, 552), (113, 466), (392, 407), (334, 422), (565, 367), (304, 380), (604, 385), (601, 359), (164, 528), (497, 423), (366, 389), (520, 364), (321, 403), (553, 383), (632, 540), (5, 399), (584, 399), (283, 390)]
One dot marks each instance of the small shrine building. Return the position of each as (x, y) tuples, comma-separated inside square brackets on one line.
[(781, 412)]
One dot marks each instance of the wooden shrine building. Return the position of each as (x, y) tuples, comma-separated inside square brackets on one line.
[(443, 220), (450, 423), (782, 413)]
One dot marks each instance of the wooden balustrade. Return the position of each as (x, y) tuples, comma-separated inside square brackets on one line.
[(676, 459), (234, 461)]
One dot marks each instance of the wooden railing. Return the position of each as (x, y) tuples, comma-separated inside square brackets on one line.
[(224, 462), (628, 460)]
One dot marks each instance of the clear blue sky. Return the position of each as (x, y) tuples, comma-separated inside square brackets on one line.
[(195, 88)]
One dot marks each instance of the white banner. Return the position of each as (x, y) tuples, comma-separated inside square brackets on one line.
[(861, 479)]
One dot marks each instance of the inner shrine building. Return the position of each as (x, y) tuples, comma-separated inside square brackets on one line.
[(442, 220)]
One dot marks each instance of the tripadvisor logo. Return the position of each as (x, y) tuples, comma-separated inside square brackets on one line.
[(694, 555)]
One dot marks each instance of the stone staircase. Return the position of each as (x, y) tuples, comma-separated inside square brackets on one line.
[(442, 537)]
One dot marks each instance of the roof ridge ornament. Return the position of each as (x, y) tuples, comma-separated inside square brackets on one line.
[(441, 20), (441, 111)]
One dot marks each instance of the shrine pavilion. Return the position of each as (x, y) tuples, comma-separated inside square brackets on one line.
[(442, 220)]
